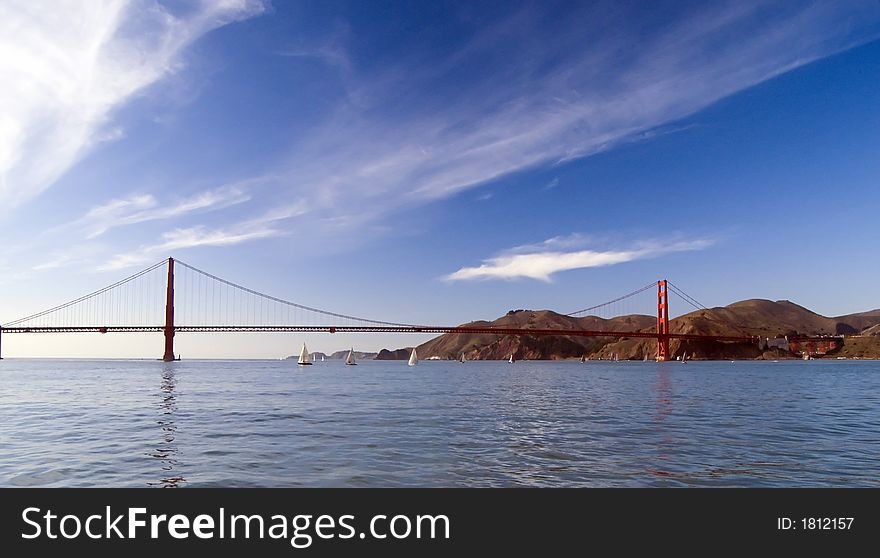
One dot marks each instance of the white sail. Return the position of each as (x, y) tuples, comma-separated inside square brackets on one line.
[(462, 358), (510, 360), (350, 358), (304, 356), (322, 358), (413, 358)]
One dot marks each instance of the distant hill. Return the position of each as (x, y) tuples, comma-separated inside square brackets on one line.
[(358, 355), (497, 347), (765, 317), (397, 354), (315, 356), (754, 317), (862, 320), (759, 317)]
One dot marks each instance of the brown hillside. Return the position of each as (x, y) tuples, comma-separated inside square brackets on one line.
[(497, 347), (866, 346), (860, 321), (768, 318), (755, 317), (764, 318), (398, 354)]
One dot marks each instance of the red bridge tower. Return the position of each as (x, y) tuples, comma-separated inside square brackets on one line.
[(169, 314), (662, 321)]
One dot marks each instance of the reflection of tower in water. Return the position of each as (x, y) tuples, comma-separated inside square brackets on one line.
[(166, 453), (663, 389), (663, 408)]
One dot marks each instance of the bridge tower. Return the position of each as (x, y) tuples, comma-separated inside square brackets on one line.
[(662, 321), (169, 314)]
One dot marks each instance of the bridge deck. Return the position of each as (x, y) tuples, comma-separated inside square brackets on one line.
[(372, 329)]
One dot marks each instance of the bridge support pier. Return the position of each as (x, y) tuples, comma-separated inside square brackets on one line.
[(662, 321), (168, 356)]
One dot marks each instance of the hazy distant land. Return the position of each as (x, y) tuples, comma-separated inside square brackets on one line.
[(755, 317)]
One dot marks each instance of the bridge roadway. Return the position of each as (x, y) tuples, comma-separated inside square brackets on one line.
[(372, 329)]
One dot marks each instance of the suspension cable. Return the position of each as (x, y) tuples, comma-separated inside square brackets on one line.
[(618, 299), (696, 304), (289, 303), (88, 296), (687, 298)]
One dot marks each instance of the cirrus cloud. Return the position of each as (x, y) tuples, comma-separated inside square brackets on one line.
[(261, 227), (66, 66)]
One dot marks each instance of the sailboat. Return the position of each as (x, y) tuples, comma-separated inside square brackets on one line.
[(684, 358), (461, 360), (511, 359), (413, 358), (646, 358), (349, 360), (322, 358), (583, 358), (305, 358)]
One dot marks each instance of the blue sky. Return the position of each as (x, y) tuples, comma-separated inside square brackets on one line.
[(438, 162)]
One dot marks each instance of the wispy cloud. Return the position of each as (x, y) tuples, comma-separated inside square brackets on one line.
[(541, 261), (552, 184), (82, 240), (142, 208), (412, 138), (65, 66), (562, 242), (264, 226), (428, 124), (70, 255), (199, 236)]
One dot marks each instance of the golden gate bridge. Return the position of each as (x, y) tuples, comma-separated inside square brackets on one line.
[(172, 297)]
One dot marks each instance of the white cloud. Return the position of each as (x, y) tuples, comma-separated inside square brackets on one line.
[(410, 138), (65, 66), (536, 262), (199, 236), (406, 132), (264, 226), (80, 237), (570, 241), (122, 261), (190, 237), (142, 208), (58, 261), (552, 184)]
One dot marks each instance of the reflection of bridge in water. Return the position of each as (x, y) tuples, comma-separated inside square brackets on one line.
[(194, 301), (166, 453)]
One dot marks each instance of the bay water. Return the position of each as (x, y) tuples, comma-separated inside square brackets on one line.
[(140, 423)]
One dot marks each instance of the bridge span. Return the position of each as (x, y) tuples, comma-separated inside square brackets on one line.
[(152, 301)]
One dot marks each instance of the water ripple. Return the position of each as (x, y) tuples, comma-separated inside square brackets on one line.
[(253, 423)]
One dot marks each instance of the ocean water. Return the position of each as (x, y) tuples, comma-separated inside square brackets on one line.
[(271, 423)]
